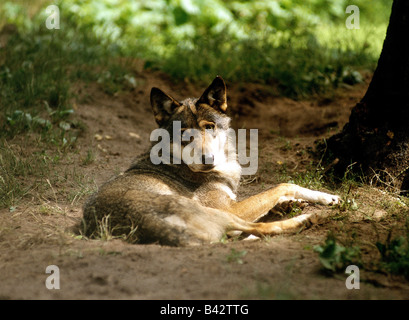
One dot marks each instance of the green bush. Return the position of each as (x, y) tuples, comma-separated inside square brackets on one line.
[(395, 254), (303, 47), (335, 257)]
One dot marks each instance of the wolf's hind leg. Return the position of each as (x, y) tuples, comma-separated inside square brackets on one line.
[(292, 225)]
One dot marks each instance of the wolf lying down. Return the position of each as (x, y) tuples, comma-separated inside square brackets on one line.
[(192, 203)]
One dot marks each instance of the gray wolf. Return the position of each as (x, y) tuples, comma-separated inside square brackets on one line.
[(189, 204)]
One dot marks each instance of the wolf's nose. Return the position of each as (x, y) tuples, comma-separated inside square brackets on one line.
[(207, 159)]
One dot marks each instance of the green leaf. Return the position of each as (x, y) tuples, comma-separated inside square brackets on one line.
[(180, 16), (65, 125)]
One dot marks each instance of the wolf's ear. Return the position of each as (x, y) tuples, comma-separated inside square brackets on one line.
[(162, 105), (215, 95)]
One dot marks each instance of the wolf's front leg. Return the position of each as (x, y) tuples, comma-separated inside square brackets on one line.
[(255, 207)]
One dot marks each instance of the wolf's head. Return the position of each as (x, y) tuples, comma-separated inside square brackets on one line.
[(198, 128)]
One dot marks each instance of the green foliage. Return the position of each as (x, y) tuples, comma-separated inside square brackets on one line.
[(313, 178), (32, 82), (395, 254), (37, 69), (236, 256), (334, 257), (303, 47)]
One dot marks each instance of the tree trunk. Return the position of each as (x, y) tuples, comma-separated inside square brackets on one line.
[(376, 139)]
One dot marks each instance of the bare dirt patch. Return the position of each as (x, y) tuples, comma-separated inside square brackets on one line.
[(41, 230)]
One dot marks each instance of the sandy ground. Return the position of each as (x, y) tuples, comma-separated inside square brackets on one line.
[(41, 231)]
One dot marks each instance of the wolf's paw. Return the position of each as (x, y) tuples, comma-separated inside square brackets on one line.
[(329, 199), (317, 196)]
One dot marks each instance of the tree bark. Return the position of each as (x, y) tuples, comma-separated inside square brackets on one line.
[(376, 139)]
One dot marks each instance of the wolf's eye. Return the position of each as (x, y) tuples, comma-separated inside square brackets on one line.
[(209, 126)]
